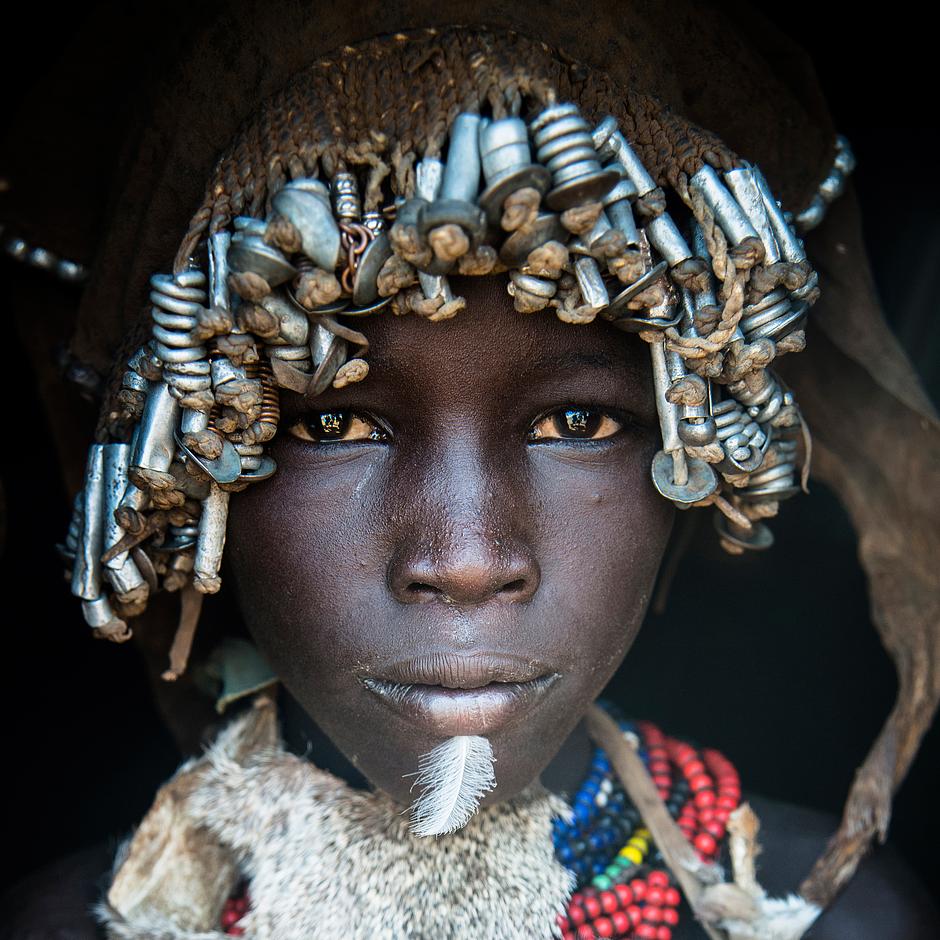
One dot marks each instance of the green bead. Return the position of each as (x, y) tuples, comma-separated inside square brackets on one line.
[(602, 882)]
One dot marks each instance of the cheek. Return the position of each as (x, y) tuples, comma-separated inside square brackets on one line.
[(602, 534), (303, 553)]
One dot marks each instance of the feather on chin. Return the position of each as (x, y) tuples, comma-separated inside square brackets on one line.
[(452, 778)]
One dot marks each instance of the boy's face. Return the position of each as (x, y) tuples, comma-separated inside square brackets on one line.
[(463, 543)]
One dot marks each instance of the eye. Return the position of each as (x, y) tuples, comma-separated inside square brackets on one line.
[(327, 427), (581, 424)]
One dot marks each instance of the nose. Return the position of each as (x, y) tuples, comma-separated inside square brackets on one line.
[(463, 548)]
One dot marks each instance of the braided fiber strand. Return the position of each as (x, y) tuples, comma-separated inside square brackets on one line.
[(388, 102)]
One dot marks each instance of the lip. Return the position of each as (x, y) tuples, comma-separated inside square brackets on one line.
[(448, 712), (452, 695)]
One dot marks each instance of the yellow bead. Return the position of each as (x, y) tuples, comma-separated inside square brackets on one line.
[(642, 833), (640, 844), (632, 853)]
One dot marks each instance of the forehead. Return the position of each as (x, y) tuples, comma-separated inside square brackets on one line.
[(490, 348)]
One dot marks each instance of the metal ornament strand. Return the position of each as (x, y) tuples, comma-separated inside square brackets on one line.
[(581, 227)]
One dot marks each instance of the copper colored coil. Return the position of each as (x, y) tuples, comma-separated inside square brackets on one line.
[(354, 238), (270, 396)]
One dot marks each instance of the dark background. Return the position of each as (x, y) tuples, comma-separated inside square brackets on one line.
[(787, 676)]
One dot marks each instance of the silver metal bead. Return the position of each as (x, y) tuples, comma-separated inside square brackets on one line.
[(305, 204), (678, 477), (744, 187), (347, 204), (591, 283), (789, 243), (742, 440), (86, 572), (219, 245), (618, 206), (611, 144), (728, 214), (155, 444), (507, 164), (429, 176), (211, 540), (120, 570), (664, 236), (249, 253), (773, 316), (98, 614), (565, 146), (177, 303)]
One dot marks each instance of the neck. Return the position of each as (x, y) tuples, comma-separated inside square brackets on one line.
[(302, 736)]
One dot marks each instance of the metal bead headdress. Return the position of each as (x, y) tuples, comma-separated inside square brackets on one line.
[(362, 186)]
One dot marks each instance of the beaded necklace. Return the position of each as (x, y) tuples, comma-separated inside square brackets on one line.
[(623, 888)]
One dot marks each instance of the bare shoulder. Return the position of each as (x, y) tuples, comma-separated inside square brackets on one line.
[(54, 903), (884, 899)]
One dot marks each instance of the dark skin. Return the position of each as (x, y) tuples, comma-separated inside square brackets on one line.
[(461, 531), (457, 533)]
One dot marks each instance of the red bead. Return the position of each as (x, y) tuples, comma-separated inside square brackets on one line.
[(621, 921), (726, 802), (635, 913), (652, 914), (563, 922), (699, 782), (639, 888), (672, 897), (663, 933), (657, 879), (670, 916), (585, 933), (721, 814), (654, 895), (576, 914), (603, 927), (592, 907), (609, 902), (624, 894), (646, 932), (705, 843), (236, 931), (714, 828), (705, 798), (693, 768), (662, 780), (569, 935)]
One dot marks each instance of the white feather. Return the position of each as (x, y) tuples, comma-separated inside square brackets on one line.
[(452, 778)]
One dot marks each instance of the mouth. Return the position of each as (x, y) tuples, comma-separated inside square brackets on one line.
[(449, 695)]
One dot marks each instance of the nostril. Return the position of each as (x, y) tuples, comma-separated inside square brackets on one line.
[(515, 587), (420, 589)]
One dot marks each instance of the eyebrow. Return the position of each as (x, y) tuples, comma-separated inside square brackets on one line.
[(569, 361)]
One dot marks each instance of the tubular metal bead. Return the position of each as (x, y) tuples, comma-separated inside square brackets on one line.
[(306, 205), (86, 572), (155, 444), (219, 244), (539, 286), (116, 461), (504, 147), (345, 192), (593, 291), (211, 539), (429, 175), (614, 144), (734, 223), (294, 327), (462, 170), (620, 212), (97, 612), (668, 412), (193, 421), (134, 381), (666, 239), (789, 243), (744, 188)]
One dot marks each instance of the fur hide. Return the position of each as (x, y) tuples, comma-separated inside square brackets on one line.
[(325, 860)]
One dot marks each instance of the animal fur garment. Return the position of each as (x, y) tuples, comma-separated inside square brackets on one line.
[(325, 860), (452, 779)]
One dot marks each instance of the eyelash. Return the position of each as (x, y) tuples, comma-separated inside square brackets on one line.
[(340, 422)]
